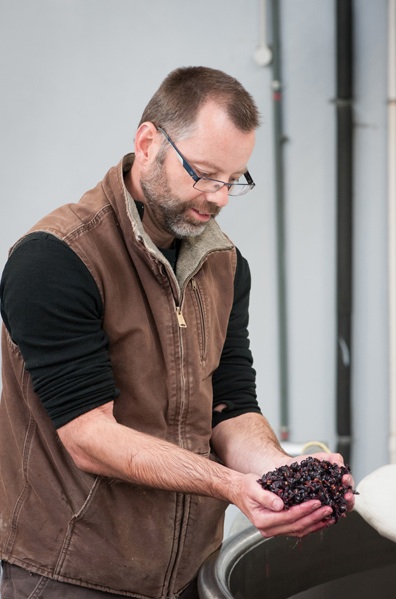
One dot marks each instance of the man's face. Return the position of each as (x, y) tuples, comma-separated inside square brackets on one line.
[(216, 149), (177, 216)]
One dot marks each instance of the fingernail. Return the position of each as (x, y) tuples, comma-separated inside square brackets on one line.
[(277, 504), (330, 521)]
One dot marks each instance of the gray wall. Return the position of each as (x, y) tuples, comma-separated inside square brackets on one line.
[(76, 75)]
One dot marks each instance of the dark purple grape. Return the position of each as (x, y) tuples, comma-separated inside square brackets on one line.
[(310, 479)]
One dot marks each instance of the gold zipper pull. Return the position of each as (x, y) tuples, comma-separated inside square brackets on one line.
[(180, 318)]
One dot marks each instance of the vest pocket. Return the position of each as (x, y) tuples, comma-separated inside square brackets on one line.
[(200, 307)]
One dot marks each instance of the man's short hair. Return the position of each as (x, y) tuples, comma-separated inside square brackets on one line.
[(176, 103)]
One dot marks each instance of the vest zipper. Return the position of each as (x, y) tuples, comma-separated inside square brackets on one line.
[(198, 296), (180, 318), (181, 501)]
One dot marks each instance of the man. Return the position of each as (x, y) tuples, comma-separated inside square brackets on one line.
[(129, 418)]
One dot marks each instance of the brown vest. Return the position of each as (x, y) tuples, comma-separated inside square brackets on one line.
[(99, 532)]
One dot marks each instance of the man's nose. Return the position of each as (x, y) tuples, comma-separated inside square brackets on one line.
[(219, 197)]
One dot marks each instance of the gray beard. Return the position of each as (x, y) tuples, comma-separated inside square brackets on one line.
[(169, 210)]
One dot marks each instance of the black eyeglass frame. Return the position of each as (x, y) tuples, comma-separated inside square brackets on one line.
[(250, 184)]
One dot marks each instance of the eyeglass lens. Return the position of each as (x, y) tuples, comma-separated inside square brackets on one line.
[(210, 186)]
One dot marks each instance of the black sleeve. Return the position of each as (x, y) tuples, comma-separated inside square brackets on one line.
[(234, 381), (53, 311)]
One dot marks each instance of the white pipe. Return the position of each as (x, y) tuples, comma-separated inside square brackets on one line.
[(392, 221), (263, 53), (297, 449)]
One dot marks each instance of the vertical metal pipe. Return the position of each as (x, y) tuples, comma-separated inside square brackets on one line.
[(280, 218), (344, 161), (392, 222)]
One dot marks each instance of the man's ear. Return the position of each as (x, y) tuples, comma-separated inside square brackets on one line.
[(145, 142)]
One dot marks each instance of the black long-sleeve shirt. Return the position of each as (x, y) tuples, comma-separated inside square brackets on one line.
[(52, 308)]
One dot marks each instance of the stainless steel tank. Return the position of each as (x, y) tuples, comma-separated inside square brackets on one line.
[(350, 559)]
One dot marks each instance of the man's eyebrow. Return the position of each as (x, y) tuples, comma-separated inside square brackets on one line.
[(214, 167)]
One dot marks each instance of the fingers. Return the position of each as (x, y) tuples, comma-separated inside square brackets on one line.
[(269, 500), (348, 481), (266, 511), (298, 521), (350, 499)]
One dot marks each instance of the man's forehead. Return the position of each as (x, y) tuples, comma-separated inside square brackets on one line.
[(214, 115), (216, 143)]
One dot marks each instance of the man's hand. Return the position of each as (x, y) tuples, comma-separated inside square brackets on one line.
[(248, 444), (266, 512)]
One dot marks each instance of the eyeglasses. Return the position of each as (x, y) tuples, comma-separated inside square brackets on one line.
[(207, 184)]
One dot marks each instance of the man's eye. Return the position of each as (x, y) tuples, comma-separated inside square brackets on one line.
[(203, 175)]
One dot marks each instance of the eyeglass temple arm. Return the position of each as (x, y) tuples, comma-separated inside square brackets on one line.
[(184, 162), (249, 178)]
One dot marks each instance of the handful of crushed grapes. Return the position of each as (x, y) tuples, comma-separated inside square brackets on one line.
[(310, 479)]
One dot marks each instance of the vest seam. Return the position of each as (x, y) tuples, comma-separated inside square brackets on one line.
[(175, 545), (95, 220), (183, 528), (26, 488), (70, 529)]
